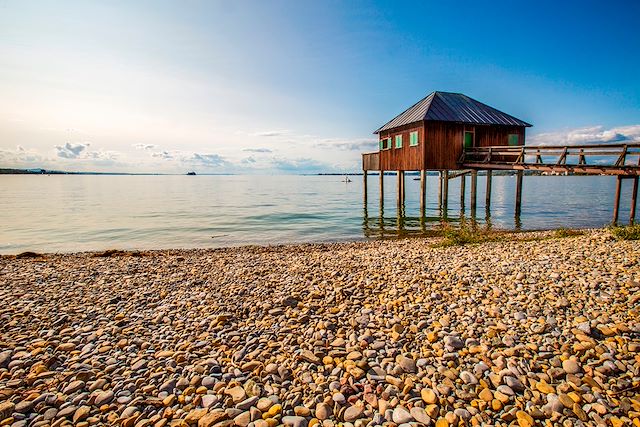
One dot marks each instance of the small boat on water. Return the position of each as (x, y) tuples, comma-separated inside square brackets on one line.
[(191, 173), (346, 179)]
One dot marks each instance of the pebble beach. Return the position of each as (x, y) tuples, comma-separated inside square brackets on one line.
[(529, 330)]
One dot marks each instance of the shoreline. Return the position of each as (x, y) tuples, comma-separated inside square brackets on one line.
[(436, 235), (533, 329)]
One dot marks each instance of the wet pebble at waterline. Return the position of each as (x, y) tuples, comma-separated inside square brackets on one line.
[(521, 332)]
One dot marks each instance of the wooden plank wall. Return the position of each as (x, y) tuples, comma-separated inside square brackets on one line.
[(406, 158), (441, 149), (440, 145)]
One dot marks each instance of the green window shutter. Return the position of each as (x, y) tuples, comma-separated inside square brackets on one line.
[(468, 140), (413, 138), (513, 139), (382, 144), (398, 141)]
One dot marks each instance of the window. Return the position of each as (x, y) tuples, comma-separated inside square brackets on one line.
[(468, 139), (413, 139), (398, 141), (385, 143), (514, 139)]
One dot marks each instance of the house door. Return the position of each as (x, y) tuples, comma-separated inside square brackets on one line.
[(469, 139)]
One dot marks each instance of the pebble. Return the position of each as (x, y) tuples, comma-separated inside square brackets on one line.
[(530, 330)]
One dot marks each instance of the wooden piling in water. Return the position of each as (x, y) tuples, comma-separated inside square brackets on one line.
[(616, 203), (463, 181), (474, 191), (423, 192), (634, 198), (381, 189), (445, 190), (364, 175), (519, 176), (440, 189), (487, 201)]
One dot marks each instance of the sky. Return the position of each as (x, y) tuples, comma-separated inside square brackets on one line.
[(271, 87)]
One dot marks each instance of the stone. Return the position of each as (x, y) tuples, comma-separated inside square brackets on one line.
[(570, 366), (294, 421), (352, 413), (420, 415), (407, 365), (212, 418), (401, 415), (323, 411), (104, 398), (428, 395), (6, 409)]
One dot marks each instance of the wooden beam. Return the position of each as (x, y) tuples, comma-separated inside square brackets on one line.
[(583, 169), (423, 192), (487, 201), (519, 175), (634, 198), (616, 203), (474, 191)]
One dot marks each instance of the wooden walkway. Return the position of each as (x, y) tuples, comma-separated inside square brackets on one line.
[(601, 159)]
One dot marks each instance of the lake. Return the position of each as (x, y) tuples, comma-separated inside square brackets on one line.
[(67, 213)]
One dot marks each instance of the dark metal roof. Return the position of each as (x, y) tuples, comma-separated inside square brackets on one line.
[(452, 107)]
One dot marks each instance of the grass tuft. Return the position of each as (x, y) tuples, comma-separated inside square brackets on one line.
[(625, 232), (567, 232), (465, 235)]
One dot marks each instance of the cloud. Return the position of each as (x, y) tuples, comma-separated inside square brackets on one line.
[(258, 150), (71, 151), (355, 145), (588, 135), (248, 160), (164, 155), (271, 133), (145, 146), (208, 160)]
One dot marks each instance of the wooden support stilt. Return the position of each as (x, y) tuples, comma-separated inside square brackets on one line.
[(519, 176), (487, 201), (440, 184), (474, 191), (616, 203), (423, 192), (463, 181), (402, 181), (364, 189), (634, 198), (445, 190), (399, 175), (381, 190)]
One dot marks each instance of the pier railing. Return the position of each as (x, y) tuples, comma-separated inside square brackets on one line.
[(371, 161), (600, 159)]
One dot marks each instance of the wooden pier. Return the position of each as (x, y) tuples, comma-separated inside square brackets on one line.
[(456, 136), (617, 160)]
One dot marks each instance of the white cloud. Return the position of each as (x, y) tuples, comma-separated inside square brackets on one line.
[(588, 135), (145, 147), (271, 133), (258, 150), (71, 151)]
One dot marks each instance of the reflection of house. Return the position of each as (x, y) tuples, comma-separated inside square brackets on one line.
[(432, 134)]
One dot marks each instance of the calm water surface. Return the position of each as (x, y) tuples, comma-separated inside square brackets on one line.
[(88, 212)]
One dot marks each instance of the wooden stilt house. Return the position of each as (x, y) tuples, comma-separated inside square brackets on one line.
[(432, 134)]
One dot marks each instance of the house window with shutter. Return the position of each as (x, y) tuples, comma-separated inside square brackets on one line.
[(413, 139), (514, 139)]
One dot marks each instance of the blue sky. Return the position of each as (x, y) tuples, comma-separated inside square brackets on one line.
[(296, 86)]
